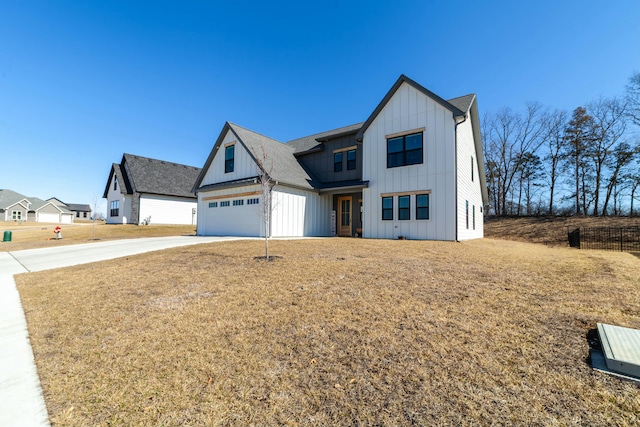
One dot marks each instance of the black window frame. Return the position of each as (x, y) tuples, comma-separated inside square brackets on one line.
[(404, 156), (474, 217), (421, 209), (337, 162), (387, 210), (472, 169), (114, 208), (351, 162), (404, 213), (229, 160), (467, 213)]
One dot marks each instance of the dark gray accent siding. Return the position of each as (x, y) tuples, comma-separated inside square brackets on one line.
[(320, 163)]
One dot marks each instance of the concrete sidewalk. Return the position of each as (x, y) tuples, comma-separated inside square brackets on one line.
[(21, 400)]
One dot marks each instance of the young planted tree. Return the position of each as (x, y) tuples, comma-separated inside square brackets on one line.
[(265, 172)]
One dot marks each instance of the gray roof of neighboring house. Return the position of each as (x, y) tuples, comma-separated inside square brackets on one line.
[(9, 198), (310, 142), (138, 174), (76, 207)]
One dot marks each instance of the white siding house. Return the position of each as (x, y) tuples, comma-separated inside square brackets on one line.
[(421, 175), (141, 190)]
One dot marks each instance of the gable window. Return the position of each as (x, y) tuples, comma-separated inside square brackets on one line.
[(337, 162), (114, 208), (229, 153), (387, 208), (404, 150), (404, 207), (351, 160), (422, 206), (16, 215), (115, 183)]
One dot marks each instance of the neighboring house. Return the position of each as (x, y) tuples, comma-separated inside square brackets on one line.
[(17, 207), (414, 169), (142, 190), (79, 211)]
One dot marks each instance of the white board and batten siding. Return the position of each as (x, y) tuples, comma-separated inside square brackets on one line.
[(161, 209), (469, 191), (243, 164), (298, 213), (408, 110)]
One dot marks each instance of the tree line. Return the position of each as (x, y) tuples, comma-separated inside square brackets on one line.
[(551, 162)]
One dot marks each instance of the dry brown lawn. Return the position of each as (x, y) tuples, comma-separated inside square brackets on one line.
[(344, 332), (549, 230), (37, 235)]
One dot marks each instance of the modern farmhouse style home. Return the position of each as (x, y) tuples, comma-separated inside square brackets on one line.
[(414, 169), (141, 190)]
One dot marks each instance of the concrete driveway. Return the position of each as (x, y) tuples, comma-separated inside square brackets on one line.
[(21, 399)]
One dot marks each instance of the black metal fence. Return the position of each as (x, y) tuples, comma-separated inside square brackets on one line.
[(625, 239)]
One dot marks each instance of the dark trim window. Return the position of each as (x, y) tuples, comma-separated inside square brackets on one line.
[(224, 204), (337, 162), (404, 150), (238, 202), (253, 201), (467, 213), (422, 206), (115, 183), (229, 154), (387, 208), (472, 168), (351, 160), (213, 204), (404, 207), (114, 208), (474, 217)]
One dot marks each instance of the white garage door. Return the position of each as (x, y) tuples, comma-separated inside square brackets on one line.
[(48, 217), (224, 218), (67, 218)]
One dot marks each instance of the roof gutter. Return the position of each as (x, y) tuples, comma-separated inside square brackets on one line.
[(455, 147)]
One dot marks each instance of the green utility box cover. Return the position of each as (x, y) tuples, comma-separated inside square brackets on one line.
[(7, 236)]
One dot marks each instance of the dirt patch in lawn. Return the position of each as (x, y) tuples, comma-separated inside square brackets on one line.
[(336, 332)]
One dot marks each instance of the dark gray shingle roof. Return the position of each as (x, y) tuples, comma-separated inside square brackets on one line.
[(307, 143), (146, 175), (463, 103), (9, 198), (277, 158)]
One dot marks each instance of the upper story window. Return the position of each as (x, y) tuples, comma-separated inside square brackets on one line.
[(404, 150), (115, 183), (229, 153), (337, 162), (351, 160)]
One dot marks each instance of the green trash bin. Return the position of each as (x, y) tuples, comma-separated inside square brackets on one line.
[(7, 236)]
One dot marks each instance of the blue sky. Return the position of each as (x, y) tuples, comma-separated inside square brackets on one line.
[(83, 82)]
